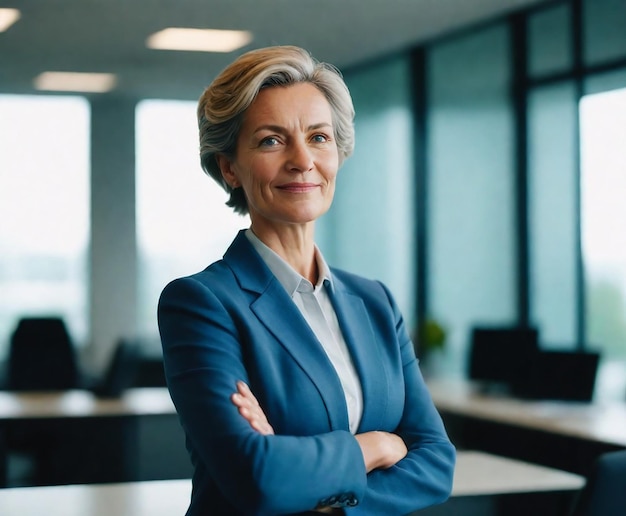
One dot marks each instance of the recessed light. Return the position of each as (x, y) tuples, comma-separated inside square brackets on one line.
[(75, 81), (199, 40), (8, 17)]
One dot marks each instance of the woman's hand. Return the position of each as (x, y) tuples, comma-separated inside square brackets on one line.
[(250, 409), (381, 450)]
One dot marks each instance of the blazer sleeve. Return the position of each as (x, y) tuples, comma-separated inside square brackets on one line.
[(275, 474), (424, 477)]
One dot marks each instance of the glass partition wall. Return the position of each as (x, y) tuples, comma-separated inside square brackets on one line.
[(470, 184), (524, 201)]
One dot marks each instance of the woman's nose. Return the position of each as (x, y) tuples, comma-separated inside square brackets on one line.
[(300, 158)]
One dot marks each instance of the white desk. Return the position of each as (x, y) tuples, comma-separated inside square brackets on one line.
[(81, 403), (477, 474), (155, 498), (598, 422)]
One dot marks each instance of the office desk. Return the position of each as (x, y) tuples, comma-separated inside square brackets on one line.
[(477, 475), (80, 403), (564, 435), (86, 439)]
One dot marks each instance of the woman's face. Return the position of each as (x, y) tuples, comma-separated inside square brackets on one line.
[(287, 157)]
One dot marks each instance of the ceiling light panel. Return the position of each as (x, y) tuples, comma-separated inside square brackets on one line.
[(199, 40), (75, 81), (8, 17)]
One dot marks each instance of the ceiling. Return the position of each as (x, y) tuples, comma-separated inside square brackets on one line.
[(110, 35)]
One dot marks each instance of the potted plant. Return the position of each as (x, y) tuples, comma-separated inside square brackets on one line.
[(430, 338)]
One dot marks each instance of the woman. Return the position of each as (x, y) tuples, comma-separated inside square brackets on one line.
[(296, 384)]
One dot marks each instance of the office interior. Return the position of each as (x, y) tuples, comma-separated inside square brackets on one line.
[(485, 190)]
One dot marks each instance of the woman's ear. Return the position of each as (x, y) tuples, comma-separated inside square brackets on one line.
[(226, 168)]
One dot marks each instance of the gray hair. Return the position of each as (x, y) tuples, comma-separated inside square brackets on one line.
[(222, 105)]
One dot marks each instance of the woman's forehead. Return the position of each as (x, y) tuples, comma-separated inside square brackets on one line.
[(285, 104)]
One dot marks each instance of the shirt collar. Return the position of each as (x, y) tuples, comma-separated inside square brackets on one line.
[(285, 273)]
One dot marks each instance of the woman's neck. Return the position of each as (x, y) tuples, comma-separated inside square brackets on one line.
[(294, 243)]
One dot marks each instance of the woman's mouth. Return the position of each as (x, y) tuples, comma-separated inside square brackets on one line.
[(298, 187)]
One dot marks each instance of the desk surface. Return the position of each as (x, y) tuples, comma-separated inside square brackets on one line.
[(477, 473), (601, 422), (80, 403)]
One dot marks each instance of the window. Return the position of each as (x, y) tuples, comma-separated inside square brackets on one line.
[(470, 196), (552, 207), (603, 31), (549, 40), (44, 208), (183, 223), (603, 186)]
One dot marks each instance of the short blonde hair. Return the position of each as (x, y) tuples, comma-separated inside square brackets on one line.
[(223, 103)]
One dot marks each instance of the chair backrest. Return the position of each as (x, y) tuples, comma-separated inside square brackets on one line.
[(41, 356), (121, 371), (605, 491)]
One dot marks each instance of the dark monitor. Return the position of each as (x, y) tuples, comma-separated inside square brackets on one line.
[(561, 375), (501, 355)]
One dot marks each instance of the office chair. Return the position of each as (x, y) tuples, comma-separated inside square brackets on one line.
[(41, 356), (121, 371), (605, 491)]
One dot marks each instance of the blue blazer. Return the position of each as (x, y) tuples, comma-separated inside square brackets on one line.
[(234, 321)]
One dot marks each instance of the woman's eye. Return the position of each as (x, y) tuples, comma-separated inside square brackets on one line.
[(320, 138), (270, 141)]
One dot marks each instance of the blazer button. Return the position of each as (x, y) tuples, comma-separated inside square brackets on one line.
[(352, 501)]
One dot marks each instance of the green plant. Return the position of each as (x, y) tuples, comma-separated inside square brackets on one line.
[(431, 336)]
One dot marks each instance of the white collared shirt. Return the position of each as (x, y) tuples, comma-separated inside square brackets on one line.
[(318, 311)]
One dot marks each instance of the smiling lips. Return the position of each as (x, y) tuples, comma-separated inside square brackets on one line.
[(298, 187)]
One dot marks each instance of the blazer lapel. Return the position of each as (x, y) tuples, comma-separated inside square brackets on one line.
[(279, 314), (366, 353)]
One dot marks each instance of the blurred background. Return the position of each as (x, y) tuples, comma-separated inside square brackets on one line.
[(486, 187)]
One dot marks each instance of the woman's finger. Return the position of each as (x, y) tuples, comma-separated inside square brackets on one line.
[(250, 410)]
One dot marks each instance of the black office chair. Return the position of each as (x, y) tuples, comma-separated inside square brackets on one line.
[(41, 356), (605, 491), (121, 371)]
